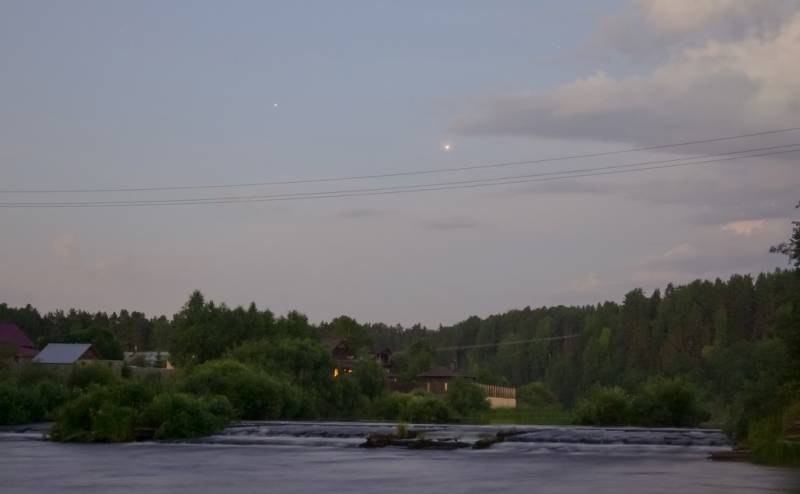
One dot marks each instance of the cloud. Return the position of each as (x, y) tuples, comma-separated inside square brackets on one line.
[(655, 28), (730, 87), (745, 227)]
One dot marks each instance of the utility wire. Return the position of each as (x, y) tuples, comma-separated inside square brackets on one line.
[(400, 174), (504, 343), (588, 172)]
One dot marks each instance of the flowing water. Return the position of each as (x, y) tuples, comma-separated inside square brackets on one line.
[(315, 457)]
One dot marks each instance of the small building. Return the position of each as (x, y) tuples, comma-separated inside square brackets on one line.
[(344, 359), (66, 354), (15, 344), (438, 379), (148, 359)]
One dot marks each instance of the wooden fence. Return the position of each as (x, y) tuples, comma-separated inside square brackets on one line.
[(493, 391)]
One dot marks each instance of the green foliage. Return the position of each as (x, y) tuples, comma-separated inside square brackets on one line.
[(668, 403), (426, 408), (791, 248), (113, 412), (29, 395), (604, 406), (304, 361), (83, 376), (103, 341), (180, 415), (370, 378), (348, 328), (253, 394), (466, 399), (767, 438), (103, 413), (535, 394), (205, 331)]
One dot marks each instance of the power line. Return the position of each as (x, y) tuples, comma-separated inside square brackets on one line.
[(396, 189), (399, 174), (503, 343)]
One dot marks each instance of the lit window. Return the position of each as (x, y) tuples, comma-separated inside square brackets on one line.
[(335, 372)]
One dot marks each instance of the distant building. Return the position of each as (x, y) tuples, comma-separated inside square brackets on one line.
[(148, 359), (344, 359), (66, 353), (15, 344), (438, 379)]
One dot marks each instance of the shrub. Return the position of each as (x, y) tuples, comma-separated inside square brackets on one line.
[(180, 415), (466, 398), (252, 393), (388, 406), (536, 394), (112, 413), (83, 376), (668, 403), (603, 406), (24, 402), (426, 408)]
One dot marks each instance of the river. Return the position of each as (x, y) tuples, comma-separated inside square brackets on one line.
[(314, 457)]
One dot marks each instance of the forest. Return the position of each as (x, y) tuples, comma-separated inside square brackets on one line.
[(727, 352)]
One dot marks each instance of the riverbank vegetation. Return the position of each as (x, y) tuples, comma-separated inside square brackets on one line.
[(718, 352)]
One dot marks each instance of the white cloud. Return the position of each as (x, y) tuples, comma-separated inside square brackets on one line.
[(745, 228), (716, 88)]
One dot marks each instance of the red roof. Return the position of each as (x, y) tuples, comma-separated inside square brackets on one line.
[(11, 335)]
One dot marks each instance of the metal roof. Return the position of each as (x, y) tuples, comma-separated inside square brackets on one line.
[(62, 353), (10, 334)]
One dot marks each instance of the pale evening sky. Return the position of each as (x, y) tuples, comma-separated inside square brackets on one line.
[(97, 94)]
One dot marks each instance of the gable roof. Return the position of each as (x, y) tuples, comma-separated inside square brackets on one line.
[(10, 334), (62, 353)]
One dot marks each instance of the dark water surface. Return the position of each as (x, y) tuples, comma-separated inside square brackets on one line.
[(292, 458)]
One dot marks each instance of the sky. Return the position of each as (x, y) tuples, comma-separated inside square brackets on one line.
[(112, 94)]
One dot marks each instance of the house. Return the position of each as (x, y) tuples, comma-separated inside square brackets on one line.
[(148, 359), (15, 344), (384, 357), (438, 379), (66, 353), (344, 359)]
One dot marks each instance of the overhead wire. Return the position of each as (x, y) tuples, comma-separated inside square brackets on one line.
[(398, 173), (509, 180)]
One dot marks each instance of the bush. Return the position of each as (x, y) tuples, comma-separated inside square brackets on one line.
[(466, 398), (668, 403), (428, 408), (253, 394), (103, 413), (83, 376), (603, 406), (112, 413), (388, 406), (24, 402), (535, 394), (180, 415)]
